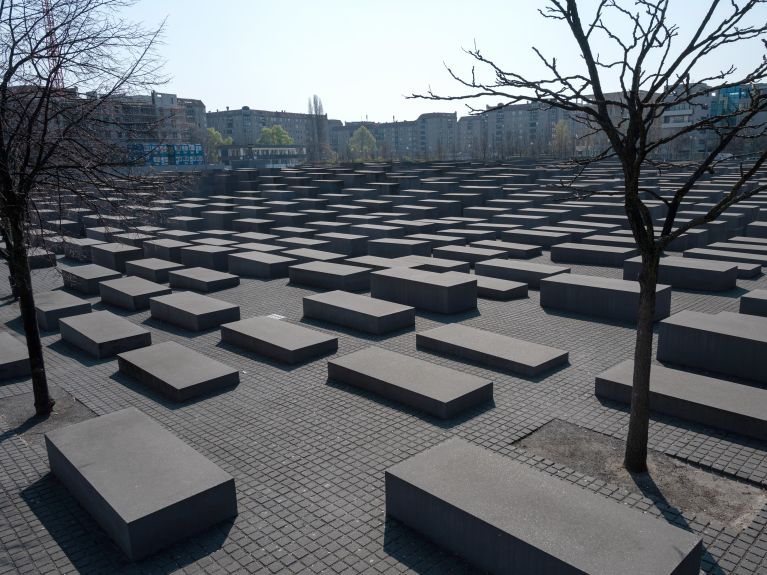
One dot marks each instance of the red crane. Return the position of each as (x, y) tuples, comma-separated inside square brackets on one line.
[(54, 56)]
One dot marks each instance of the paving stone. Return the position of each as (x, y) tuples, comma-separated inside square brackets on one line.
[(177, 372), (103, 334), (145, 487), (434, 389), (278, 340)]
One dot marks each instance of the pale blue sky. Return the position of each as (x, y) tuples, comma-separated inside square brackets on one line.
[(360, 56)]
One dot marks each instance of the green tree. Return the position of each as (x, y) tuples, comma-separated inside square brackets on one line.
[(362, 144), (561, 140), (274, 136), (213, 142)]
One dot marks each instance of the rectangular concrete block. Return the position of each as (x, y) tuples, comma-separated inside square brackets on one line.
[(152, 269), (202, 280), (731, 344), (506, 517), (175, 371), (51, 306), (145, 487), (359, 312), (428, 387), (523, 272), (86, 279), (608, 298), (103, 334), (591, 255), (114, 256), (259, 265), (492, 349), (754, 302), (440, 293), (193, 311), (279, 340), (14, 357), (130, 292), (331, 276), (720, 404), (205, 256), (688, 273)]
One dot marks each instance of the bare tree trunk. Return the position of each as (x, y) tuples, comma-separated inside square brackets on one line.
[(20, 266), (636, 443)]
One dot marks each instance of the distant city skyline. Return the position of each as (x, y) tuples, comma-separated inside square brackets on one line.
[(360, 58)]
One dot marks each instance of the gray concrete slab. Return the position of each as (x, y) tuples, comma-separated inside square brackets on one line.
[(359, 312), (468, 254), (537, 238), (688, 273), (202, 280), (718, 403), (152, 269), (130, 292), (505, 517), (103, 334), (754, 302), (211, 257), (731, 344), (428, 387), (495, 288), (261, 265), (114, 256), (592, 255), (177, 372), (14, 357), (430, 291), (432, 264), (86, 279), (279, 340), (398, 247), (165, 249), (608, 298), (492, 349), (145, 487), (516, 271), (51, 306), (193, 311), (331, 276), (519, 251)]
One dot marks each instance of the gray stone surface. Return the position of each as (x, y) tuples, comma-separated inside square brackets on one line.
[(103, 334), (425, 386), (718, 403), (398, 247), (14, 357), (86, 279), (330, 276), (504, 517), (51, 306), (524, 272), (279, 340), (595, 255), (260, 265), (177, 372), (688, 273), (80, 248), (359, 312), (114, 256), (165, 249), (145, 487), (495, 288), (726, 255), (211, 257), (513, 250), (193, 311), (202, 279), (430, 291), (130, 292), (437, 265), (152, 269), (535, 237), (754, 302), (492, 349), (470, 255), (732, 344), (607, 298)]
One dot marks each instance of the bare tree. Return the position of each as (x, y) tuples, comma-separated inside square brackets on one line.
[(64, 62), (317, 136), (652, 66)]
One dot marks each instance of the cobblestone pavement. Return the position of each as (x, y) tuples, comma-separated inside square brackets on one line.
[(309, 456)]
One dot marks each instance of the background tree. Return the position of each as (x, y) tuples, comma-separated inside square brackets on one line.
[(561, 140), (652, 69), (274, 136), (63, 61), (317, 147), (212, 147), (362, 144)]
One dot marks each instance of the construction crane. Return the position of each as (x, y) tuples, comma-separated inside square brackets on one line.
[(54, 56)]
